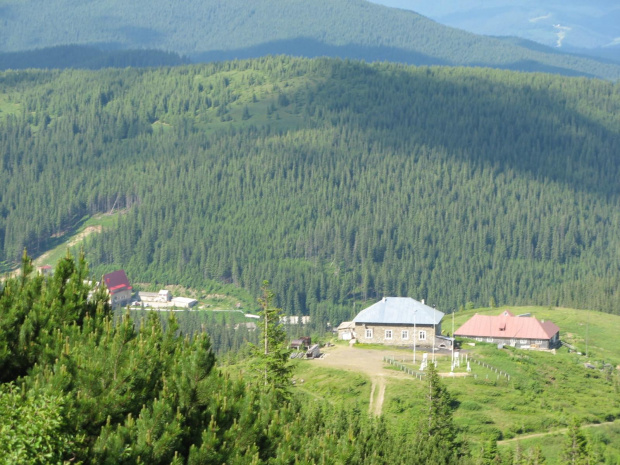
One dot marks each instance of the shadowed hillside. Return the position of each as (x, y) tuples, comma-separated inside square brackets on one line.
[(232, 29), (336, 180)]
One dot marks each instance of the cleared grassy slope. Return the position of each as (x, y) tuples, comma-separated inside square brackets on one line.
[(545, 390)]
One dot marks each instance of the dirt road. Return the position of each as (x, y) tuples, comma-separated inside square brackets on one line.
[(369, 362)]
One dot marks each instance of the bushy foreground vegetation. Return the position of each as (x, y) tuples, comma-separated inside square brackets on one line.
[(338, 181), (78, 387)]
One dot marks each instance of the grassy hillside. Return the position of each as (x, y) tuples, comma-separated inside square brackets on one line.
[(338, 181), (223, 30), (544, 392), (601, 329)]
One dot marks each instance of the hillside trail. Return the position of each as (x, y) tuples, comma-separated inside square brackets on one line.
[(556, 431), (74, 240), (378, 386), (369, 362)]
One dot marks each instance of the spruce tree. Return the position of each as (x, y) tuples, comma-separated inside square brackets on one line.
[(436, 441), (575, 450), (272, 353)]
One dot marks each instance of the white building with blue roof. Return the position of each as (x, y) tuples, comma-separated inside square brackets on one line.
[(400, 321)]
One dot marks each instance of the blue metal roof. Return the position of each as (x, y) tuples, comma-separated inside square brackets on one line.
[(399, 310)]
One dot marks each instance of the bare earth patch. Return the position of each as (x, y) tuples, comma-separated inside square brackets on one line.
[(370, 362), (84, 234), (367, 361)]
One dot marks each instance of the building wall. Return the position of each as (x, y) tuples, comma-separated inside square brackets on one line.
[(520, 343), (183, 303), (120, 298), (381, 334)]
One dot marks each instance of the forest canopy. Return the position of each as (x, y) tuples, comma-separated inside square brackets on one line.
[(216, 30), (336, 180)]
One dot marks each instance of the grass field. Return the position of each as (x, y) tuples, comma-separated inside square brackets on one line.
[(545, 391), (601, 329)]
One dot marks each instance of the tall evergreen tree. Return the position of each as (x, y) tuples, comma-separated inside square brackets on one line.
[(436, 441), (272, 353), (576, 450)]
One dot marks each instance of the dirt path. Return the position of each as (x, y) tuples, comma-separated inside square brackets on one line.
[(370, 362), (377, 395), (372, 396), (380, 381), (556, 431), (40, 260)]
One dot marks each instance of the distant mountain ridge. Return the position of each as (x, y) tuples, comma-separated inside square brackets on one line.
[(574, 26), (223, 30), (85, 57)]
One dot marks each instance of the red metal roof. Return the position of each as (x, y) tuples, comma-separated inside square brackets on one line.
[(116, 281), (507, 325)]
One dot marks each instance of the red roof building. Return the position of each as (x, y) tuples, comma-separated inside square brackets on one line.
[(118, 287), (46, 270), (518, 331)]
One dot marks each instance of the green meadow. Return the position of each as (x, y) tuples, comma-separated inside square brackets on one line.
[(544, 392)]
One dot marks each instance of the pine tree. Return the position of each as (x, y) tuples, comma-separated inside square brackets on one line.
[(536, 457), (439, 422), (437, 440), (272, 355), (575, 450)]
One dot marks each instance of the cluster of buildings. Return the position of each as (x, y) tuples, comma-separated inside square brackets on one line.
[(398, 321), (403, 321), (121, 293)]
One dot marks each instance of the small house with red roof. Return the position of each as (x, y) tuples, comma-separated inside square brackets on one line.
[(118, 287), (523, 331), (45, 270)]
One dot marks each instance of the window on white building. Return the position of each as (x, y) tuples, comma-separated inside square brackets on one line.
[(369, 334), (422, 335), (404, 334), (489, 339), (479, 339), (388, 334)]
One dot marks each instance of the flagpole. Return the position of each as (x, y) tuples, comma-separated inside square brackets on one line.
[(452, 369), (414, 360), (434, 332)]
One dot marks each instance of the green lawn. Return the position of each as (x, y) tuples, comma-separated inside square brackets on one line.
[(73, 239), (604, 441), (544, 392)]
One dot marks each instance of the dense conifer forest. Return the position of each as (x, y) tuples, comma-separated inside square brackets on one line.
[(225, 30), (76, 56), (335, 180)]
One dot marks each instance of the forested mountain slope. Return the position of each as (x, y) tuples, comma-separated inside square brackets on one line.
[(335, 180), (591, 26), (222, 30), (76, 56)]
